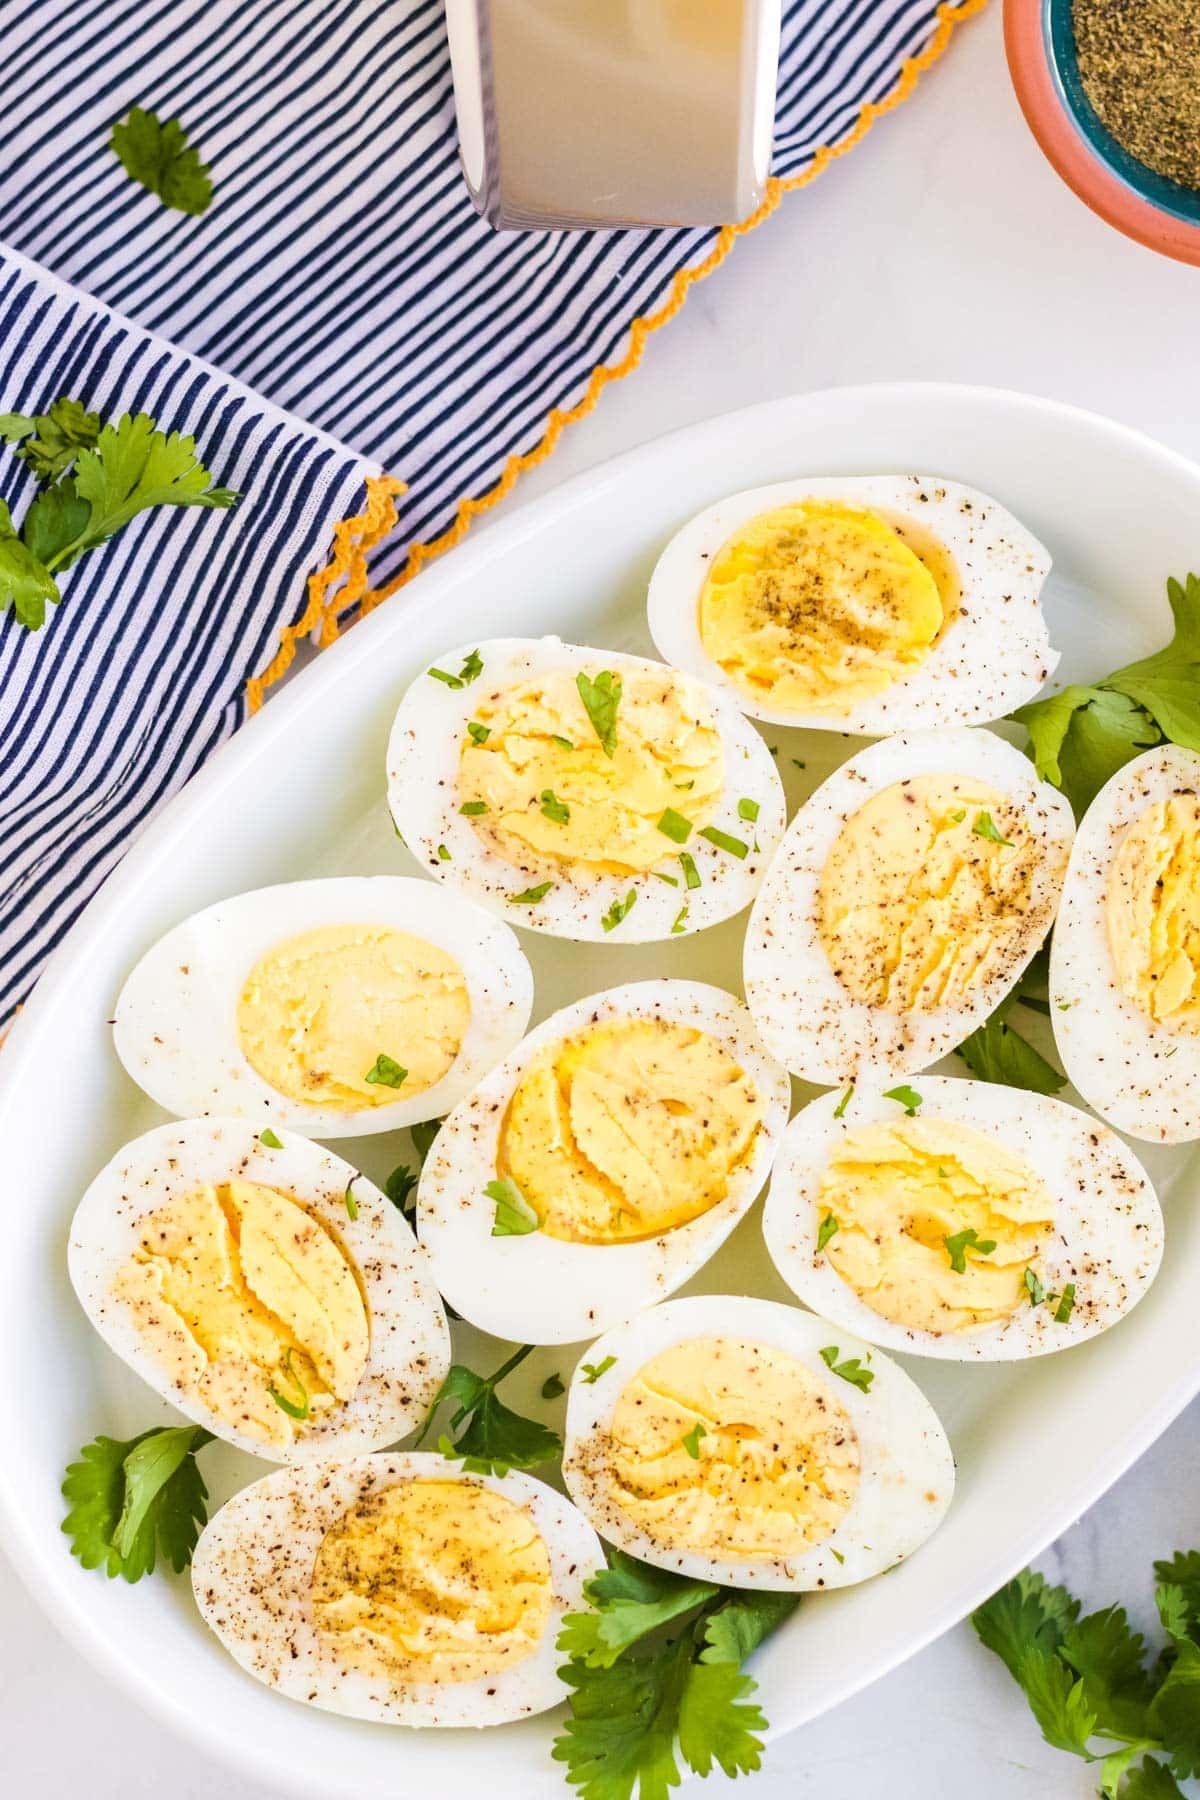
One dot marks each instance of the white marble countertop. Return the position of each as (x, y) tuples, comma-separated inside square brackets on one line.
[(943, 248)]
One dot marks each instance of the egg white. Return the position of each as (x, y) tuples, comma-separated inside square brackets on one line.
[(175, 1027), (993, 655), (253, 1566), (1108, 1228), (906, 1480), (811, 1022), (1141, 1076), (410, 1340), (423, 770), (538, 1289)]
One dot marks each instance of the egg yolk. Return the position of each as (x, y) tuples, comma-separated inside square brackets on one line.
[(816, 606), (549, 788), (899, 1191), (250, 1306), (1152, 912), (733, 1449), (433, 1581), (927, 893), (318, 1010), (628, 1130)]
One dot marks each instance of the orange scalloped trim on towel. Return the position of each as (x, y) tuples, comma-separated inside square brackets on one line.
[(949, 18)]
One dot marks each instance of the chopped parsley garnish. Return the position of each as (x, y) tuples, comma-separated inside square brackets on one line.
[(956, 818), (491, 1439), (478, 734), (671, 880), (514, 1215), (675, 826), (1065, 1308), (601, 698), (960, 1242), (843, 1103), (691, 1440), (156, 154), (593, 1371), (735, 846), (619, 910), (351, 1202), (748, 810), (532, 895), (552, 1387), (269, 1138), (473, 809), (828, 1228), (564, 743), (679, 923), (655, 1674), (553, 808), (1034, 1288), (985, 827), (691, 874), (132, 1501), (905, 1096), (443, 853), (295, 1409), (385, 1072), (852, 1370), (472, 667)]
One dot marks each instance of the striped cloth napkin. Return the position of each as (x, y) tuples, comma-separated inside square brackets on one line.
[(340, 276)]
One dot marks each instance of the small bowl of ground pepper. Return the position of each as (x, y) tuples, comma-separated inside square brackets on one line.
[(1111, 91)]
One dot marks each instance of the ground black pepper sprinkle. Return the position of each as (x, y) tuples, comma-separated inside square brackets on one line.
[(1139, 61)]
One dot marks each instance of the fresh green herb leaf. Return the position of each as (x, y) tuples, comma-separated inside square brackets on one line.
[(679, 923), (905, 1096), (295, 1409), (828, 1228), (531, 896), (399, 1187), (748, 810), (132, 1501), (675, 826), (553, 808), (618, 910), (957, 817), (996, 1051), (671, 880), (514, 1215), (25, 584), (478, 734), (959, 1242), (443, 853), (691, 1440), (735, 846), (564, 743), (840, 1109), (423, 1134), (351, 1202), (593, 1371), (552, 1387), (385, 1072), (1182, 1573), (445, 677), (472, 667), (984, 827), (691, 874), (157, 155), (269, 1138), (601, 699), (491, 1439), (49, 442), (852, 1370), (1066, 1305), (473, 809), (1034, 1288)]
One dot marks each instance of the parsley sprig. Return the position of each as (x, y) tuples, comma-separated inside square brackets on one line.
[(491, 1439), (656, 1679), (94, 479), (601, 698), (997, 1051), (1082, 735), (135, 1500), (156, 154), (1088, 1683)]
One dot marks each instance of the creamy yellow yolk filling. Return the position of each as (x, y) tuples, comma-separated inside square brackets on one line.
[(434, 1581), (318, 1010), (1152, 912), (628, 1130), (816, 606), (241, 1295), (776, 1461), (919, 904), (898, 1191), (547, 785)]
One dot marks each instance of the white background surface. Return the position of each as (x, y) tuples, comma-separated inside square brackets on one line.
[(944, 247)]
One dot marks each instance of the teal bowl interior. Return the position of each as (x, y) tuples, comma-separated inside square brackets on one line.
[(1168, 196)]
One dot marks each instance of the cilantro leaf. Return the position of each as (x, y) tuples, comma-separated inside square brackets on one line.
[(25, 583), (618, 910), (601, 698), (158, 156), (1026, 1613), (514, 1215), (1182, 1573), (554, 809), (423, 1134), (829, 1227), (627, 1601), (1150, 1781), (620, 1737), (852, 1370), (131, 1501), (904, 1096), (1110, 1658), (49, 442), (996, 1051), (385, 1071), (959, 1242), (593, 1371), (717, 1721), (552, 1387), (399, 1188), (1175, 1710), (742, 1622), (135, 466), (491, 1437), (1057, 1701)]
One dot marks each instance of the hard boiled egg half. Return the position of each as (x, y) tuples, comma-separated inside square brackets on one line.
[(596, 1168), (966, 1220), (584, 793), (868, 604), (263, 1286), (739, 1441), (911, 890), (338, 1007), (397, 1589), (1125, 961)]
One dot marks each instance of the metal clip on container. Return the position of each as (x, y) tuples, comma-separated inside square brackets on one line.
[(591, 113)]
